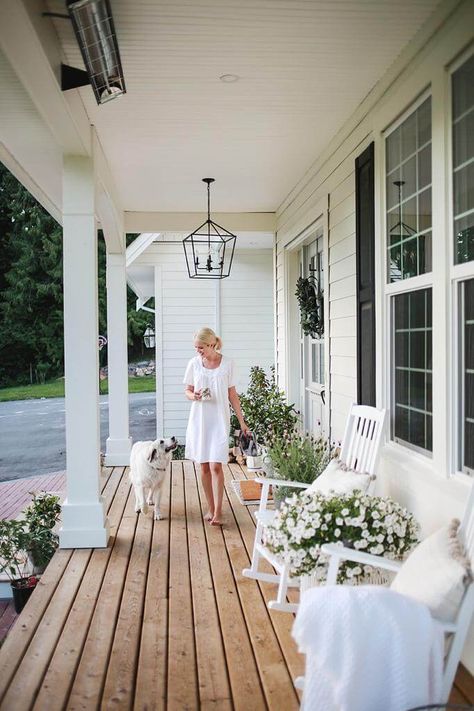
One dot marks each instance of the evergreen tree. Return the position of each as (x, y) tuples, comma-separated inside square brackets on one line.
[(31, 290)]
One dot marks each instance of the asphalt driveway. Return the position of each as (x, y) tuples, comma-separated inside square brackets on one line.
[(32, 432)]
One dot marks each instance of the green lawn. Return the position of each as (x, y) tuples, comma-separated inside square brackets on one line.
[(55, 388)]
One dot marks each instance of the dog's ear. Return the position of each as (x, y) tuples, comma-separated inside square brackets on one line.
[(151, 454)]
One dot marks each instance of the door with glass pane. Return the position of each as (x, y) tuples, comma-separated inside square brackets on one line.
[(312, 382)]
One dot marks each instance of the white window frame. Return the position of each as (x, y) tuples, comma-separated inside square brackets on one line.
[(458, 273), (316, 217), (391, 289)]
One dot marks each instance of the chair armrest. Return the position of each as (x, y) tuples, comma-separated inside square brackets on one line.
[(281, 482), (332, 549)]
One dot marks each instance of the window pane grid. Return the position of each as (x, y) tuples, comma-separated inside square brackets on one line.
[(412, 333), (467, 375), (408, 196), (463, 161)]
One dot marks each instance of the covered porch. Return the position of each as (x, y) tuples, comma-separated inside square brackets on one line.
[(280, 102), (162, 618)]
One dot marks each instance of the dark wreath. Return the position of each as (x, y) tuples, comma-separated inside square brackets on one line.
[(311, 301)]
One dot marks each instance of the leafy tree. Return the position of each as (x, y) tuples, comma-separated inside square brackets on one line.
[(31, 311), (31, 290)]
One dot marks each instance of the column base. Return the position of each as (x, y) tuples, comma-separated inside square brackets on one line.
[(84, 526), (118, 452)]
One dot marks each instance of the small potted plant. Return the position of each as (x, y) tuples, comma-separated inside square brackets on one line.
[(296, 457), (265, 410), (27, 545), (41, 516), (14, 561)]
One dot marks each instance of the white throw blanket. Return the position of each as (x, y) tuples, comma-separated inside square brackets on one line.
[(367, 648)]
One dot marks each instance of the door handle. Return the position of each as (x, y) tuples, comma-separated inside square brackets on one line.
[(323, 397)]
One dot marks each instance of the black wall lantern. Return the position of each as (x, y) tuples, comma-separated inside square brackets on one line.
[(95, 33), (209, 250)]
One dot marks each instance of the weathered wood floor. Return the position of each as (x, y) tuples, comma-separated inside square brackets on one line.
[(162, 618)]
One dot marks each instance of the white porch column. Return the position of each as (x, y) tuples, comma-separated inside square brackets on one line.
[(118, 442), (84, 524)]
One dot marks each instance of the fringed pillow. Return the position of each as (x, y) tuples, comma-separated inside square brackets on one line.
[(437, 573)]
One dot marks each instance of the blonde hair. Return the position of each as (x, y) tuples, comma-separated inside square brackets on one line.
[(207, 336)]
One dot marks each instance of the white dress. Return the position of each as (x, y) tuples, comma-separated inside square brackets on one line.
[(207, 435)]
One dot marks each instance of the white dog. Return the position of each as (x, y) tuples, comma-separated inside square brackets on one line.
[(149, 462)]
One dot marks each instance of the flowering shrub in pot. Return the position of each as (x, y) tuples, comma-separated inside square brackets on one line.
[(372, 524), (296, 457)]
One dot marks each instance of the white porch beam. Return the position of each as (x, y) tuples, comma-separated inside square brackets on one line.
[(84, 524), (188, 221), (31, 45), (108, 205), (119, 442)]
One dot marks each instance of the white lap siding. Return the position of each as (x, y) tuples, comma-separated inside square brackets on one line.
[(239, 308), (427, 485)]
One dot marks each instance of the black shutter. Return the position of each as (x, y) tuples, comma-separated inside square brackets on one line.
[(365, 280)]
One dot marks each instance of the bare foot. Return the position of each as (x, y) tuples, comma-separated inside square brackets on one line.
[(209, 516), (216, 521)]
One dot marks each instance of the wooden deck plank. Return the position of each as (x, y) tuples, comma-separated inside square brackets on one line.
[(214, 688), (465, 683), (15, 645), (150, 692), (7, 620), (120, 680), (274, 674), (90, 676), (24, 686), (282, 621), (181, 650), (57, 681), (95, 632), (244, 679)]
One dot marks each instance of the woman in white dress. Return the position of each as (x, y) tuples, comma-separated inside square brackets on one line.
[(209, 381)]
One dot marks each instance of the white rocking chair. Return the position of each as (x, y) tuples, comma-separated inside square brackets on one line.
[(458, 629), (359, 453)]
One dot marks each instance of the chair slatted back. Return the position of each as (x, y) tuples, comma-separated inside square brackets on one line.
[(362, 438)]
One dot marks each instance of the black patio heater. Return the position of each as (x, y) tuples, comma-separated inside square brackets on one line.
[(209, 250)]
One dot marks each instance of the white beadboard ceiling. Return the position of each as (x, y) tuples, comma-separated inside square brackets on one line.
[(304, 66)]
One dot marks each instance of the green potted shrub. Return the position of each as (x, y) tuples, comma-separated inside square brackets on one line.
[(265, 409), (27, 545), (41, 516), (14, 542)]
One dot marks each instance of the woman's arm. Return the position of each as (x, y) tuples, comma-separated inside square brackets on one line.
[(235, 402), (192, 394)]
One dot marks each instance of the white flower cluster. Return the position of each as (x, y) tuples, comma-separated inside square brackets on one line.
[(369, 523)]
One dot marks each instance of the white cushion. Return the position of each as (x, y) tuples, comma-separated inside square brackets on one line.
[(436, 573), (339, 481)]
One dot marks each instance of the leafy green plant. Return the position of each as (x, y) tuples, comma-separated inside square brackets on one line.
[(14, 542), (264, 406), (41, 517), (31, 538), (369, 523)]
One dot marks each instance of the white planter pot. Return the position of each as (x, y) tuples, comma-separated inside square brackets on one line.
[(254, 463)]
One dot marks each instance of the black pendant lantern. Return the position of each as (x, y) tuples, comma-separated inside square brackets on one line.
[(209, 250)]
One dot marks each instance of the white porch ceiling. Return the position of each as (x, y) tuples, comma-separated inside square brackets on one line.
[(304, 66)]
